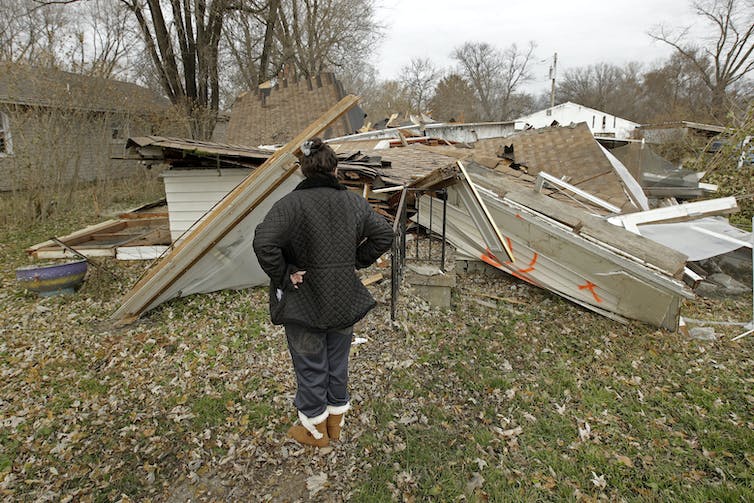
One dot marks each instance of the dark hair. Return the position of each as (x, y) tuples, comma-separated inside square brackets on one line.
[(318, 157)]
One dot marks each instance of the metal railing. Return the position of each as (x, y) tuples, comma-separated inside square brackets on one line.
[(398, 255), (399, 252)]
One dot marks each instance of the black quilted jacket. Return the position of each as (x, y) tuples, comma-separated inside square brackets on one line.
[(329, 232)]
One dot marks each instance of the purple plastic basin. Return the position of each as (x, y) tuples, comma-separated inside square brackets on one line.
[(52, 279)]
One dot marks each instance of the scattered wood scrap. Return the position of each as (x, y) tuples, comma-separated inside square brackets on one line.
[(143, 231), (374, 278)]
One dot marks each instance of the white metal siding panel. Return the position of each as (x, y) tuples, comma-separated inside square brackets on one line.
[(191, 193)]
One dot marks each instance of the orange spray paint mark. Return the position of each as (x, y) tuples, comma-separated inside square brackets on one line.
[(489, 259), (531, 264), (591, 286)]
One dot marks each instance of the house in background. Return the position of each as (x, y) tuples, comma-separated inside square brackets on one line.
[(58, 127), (601, 124)]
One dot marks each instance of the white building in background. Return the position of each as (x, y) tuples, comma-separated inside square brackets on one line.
[(601, 124)]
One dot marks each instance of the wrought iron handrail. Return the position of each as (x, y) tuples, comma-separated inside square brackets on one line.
[(398, 255)]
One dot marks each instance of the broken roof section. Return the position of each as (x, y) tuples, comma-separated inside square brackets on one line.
[(572, 154), (215, 253), (179, 152), (676, 131), (568, 251), (275, 114)]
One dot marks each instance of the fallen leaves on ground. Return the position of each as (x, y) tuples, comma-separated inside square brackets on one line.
[(534, 397)]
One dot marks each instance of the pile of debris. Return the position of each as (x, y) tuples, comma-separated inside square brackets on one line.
[(550, 206)]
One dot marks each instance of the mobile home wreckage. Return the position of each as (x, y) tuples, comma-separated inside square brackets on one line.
[(551, 207)]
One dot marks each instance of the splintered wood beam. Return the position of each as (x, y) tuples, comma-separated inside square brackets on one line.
[(678, 213), (221, 219), (143, 216), (438, 178), (543, 178)]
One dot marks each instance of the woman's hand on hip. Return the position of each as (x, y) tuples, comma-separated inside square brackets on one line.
[(297, 278)]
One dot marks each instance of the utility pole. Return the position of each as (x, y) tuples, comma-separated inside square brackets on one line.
[(553, 70)]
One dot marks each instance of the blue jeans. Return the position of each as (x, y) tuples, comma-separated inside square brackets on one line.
[(320, 359)]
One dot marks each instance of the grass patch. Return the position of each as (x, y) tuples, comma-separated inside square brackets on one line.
[(211, 411)]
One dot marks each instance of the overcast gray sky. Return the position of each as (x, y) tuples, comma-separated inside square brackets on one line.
[(582, 32)]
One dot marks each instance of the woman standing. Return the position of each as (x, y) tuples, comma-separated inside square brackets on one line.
[(310, 244)]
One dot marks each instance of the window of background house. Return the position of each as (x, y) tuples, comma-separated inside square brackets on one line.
[(118, 131), (5, 141)]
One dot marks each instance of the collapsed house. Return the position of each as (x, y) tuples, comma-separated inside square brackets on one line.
[(551, 207)]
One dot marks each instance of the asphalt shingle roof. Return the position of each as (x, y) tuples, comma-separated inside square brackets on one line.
[(28, 85)]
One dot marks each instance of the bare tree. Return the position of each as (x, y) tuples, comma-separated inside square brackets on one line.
[(481, 64), (494, 75), (325, 35), (384, 99), (248, 45), (32, 33), (182, 39), (516, 71), (672, 91), (728, 57), (105, 38), (603, 86), (297, 37), (189, 78), (418, 79), (362, 80)]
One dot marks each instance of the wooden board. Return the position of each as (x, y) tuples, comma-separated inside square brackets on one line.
[(100, 240), (480, 214)]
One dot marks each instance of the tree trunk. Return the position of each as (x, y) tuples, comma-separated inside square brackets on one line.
[(264, 60)]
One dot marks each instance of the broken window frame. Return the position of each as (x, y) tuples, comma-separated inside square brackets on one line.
[(6, 142), (119, 131)]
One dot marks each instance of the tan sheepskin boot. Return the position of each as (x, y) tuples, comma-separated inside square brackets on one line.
[(311, 431), (336, 419)]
